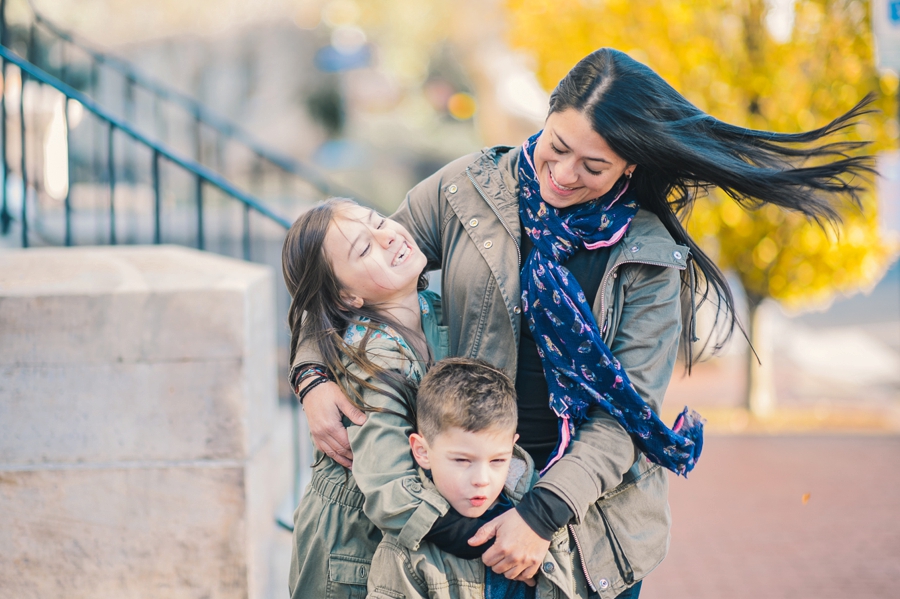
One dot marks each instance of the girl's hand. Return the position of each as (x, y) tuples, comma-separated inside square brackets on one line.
[(324, 406), (517, 552)]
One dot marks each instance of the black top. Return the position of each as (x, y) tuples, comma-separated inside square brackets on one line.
[(538, 426), (452, 531)]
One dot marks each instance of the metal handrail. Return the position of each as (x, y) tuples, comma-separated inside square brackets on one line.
[(196, 109), (202, 173)]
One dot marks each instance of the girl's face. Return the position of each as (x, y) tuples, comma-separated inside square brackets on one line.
[(374, 258), (574, 164)]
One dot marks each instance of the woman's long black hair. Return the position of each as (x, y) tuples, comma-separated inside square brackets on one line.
[(681, 152)]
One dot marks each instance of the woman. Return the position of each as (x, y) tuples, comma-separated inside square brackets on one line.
[(624, 153)]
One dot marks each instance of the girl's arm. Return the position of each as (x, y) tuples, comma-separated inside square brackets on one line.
[(396, 501)]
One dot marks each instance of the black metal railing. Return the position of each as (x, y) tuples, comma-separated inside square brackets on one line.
[(197, 112), (202, 177), (201, 174)]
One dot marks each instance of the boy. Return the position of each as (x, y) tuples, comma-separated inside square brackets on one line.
[(466, 419)]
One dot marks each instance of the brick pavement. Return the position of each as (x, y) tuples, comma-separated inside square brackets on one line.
[(742, 530)]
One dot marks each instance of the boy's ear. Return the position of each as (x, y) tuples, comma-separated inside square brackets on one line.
[(515, 438), (353, 300), (419, 447)]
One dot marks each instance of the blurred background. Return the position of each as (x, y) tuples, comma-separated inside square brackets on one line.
[(214, 124)]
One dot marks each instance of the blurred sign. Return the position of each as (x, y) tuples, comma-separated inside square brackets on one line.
[(886, 27)]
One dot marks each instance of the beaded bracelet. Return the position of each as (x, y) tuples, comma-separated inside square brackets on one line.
[(316, 382), (318, 373)]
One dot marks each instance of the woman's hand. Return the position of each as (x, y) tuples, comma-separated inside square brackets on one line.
[(517, 552), (323, 406)]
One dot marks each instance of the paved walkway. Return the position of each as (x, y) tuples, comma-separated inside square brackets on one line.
[(742, 529)]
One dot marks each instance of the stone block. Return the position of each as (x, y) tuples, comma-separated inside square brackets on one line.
[(175, 532), (141, 452)]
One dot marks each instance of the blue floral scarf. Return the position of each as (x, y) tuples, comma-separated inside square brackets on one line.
[(580, 370)]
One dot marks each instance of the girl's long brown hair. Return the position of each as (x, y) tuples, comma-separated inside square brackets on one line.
[(318, 314)]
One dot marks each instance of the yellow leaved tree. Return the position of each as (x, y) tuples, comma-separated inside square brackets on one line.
[(723, 55)]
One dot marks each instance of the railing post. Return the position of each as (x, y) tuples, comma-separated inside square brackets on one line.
[(111, 166), (5, 216), (247, 232), (157, 232), (68, 199), (201, 243), (31, 49), (129, 118), (23, 77)]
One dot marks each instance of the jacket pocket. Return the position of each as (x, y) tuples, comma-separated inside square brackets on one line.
[(347, 576), (637, 521)]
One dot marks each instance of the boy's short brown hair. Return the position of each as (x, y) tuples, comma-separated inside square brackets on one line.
[(467, 394)]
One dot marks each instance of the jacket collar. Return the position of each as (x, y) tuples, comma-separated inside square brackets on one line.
[(647, 240)]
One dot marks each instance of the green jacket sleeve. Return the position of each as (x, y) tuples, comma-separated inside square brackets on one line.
[(383, 466), (646, 343)]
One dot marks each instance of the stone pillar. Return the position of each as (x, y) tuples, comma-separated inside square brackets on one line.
[(138, 454)]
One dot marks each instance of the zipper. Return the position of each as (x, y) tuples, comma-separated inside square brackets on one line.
[(497, 214), (605, 280), (581, 557)]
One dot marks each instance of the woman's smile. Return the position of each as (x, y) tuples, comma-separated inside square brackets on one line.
[(574, 164)]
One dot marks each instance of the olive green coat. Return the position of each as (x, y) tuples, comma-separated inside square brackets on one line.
[(338, 524)]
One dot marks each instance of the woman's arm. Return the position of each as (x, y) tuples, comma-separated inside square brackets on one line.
[(646, 343)]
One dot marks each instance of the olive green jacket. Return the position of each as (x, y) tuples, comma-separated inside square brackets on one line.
[(465, 219), (338, 524), (429, 573)]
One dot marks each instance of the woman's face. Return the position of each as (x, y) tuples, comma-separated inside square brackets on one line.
[(574, 164), (374, 258)]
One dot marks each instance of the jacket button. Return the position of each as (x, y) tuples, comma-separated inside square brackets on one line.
[(363, 572), (604, 584), (517, 310), (473, 222), (634, 249), (488, 244), (549, 568), (415, 486), (452, 189), (677, 255)]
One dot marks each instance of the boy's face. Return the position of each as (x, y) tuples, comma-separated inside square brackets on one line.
[(469, 469)]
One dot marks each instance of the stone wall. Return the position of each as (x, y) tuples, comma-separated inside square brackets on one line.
[(140, 452)]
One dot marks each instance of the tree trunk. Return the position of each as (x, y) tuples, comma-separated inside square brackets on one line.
[(760, 373)]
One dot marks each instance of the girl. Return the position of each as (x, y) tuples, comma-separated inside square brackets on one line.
[(355, 280)]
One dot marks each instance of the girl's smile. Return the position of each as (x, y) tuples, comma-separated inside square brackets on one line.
[(375, 258)]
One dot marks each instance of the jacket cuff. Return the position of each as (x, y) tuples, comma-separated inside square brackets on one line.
[(420, 523), (432, 507), (578, 497)]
